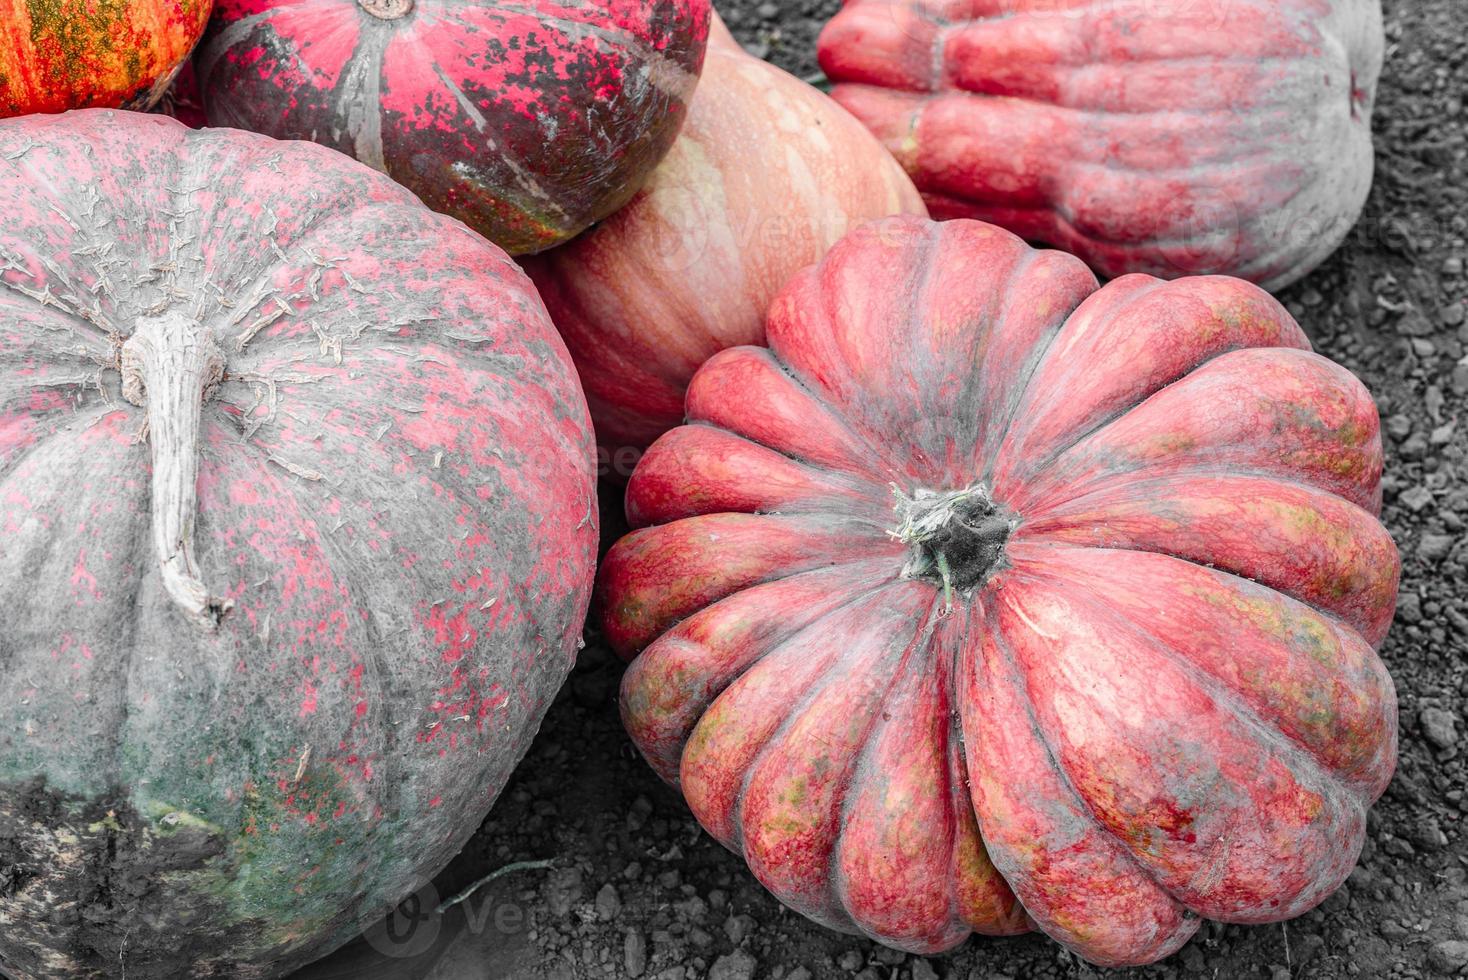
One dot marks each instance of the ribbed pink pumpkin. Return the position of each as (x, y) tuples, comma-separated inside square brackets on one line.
[(1171, 137), (985, 597), (297, 532), (767, 174)]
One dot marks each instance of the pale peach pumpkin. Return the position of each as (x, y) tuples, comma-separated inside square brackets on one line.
[(766, 176)]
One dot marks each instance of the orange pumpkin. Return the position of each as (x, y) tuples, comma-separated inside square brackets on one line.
[(70, 54)]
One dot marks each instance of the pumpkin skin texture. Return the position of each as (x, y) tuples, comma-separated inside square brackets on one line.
[(1167, 137), (986, 598), (72, 54), (530, 121), (767, 175), (274, 638)]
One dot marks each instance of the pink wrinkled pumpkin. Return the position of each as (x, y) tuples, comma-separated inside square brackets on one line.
[(530, 120), (767, 174), (1171, 137), (297, 535), (985, 598)]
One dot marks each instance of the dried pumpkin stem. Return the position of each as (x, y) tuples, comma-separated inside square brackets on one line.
[(387, 9), (956, 537), (171, 366)]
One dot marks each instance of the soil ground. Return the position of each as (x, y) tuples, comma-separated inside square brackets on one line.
[(638, 890)]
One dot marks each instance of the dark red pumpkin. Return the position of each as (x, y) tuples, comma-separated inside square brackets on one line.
[(1171, 137), (182, 100), (296, 539), (72, 54), (985, 598), (530, 121)]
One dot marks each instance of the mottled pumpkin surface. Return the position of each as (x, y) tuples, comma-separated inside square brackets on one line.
[(529, 120), (987, 599), (73, 54), (395, 527), (1168, 137)]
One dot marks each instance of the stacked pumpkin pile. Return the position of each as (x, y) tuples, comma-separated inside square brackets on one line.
[(965, 594)]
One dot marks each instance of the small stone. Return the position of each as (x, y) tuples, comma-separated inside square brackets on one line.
[(738, 928), (1423, 347), (1433, 548), (1439, 727), (1339, 900), (1460, 925), (1310, 946), (1443, 434), (563, 890), (923, 970), (1409, 607), (1433, 400), (1192, 960), (887, 956), (1460, 377), (1448, 956), (1397, 847), (1393, 930), (1430, 836), (692, 908), (850, 961), (634, 953), (1416, 499), (608, 903), (1453, 314), (738, 965)]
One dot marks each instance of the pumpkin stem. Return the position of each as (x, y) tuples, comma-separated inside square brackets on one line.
[(170, 366), (387, 9), (956, 537)]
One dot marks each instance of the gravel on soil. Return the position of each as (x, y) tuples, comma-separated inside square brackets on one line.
[(640, 891)]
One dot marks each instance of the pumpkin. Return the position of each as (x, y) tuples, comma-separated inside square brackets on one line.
[(1168, 137), (71, 54), (182, 100), (767, 174), (529, 121), (985, 598), (298, 534)]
